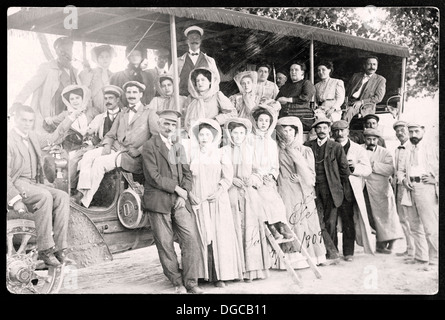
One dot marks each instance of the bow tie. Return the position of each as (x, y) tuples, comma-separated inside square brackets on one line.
[(132, 108), (401, 147), (194, 54), (370, 148)]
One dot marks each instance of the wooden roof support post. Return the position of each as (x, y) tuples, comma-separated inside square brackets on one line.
[(311, 67), (175, 64), (402, 89)]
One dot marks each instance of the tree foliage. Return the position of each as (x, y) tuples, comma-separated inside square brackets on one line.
[(415, 28)]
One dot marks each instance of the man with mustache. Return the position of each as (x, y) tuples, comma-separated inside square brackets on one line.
[(379, 196), (419, 173), (193, 59), (369, 121), (121, 146), (48, 83), (364, 90), (96, 131), (331, 177), (168, 181)]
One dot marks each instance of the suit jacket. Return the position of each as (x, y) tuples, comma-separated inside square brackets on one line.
[(373, 92), (336, 168), (43, 86), (160, 182), (17, 152), (124, 135), (96, 126)]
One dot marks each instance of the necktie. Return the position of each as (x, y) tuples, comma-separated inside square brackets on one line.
[(359, 91)]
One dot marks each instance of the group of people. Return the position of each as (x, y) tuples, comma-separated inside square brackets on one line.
[(247, 170)]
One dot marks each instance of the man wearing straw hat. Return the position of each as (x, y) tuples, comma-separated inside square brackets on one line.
[(48, 83), (192, 59), (419, 174), (168, 180)]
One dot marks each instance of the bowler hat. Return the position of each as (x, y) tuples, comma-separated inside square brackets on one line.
[(321, 120)]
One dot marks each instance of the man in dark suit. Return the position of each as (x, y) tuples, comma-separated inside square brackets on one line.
[(136, 56), (331, 175), (364, 90), (168, 180), (26, 191), (193, 59)]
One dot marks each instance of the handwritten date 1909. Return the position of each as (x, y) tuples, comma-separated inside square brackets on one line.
[(308, 239)]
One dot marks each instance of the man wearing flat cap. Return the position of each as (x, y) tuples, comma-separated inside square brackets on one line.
[(379, 195), (369, 121), (354, 208), (331, 175), (168, 180), (136, 54), (419, 174), (192, 59), (401, 131), (96, 78), (48, 83), (121, 146)]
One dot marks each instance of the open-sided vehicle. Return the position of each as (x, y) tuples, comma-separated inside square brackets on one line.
[(116, 221)]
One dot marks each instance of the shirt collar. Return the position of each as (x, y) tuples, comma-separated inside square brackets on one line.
[(197, 51), (321, 142), (137, 106), (167, 142), (113, 112), (20, 133), (344, 142)]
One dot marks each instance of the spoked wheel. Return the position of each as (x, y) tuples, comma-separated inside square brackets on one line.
[(24, 273)]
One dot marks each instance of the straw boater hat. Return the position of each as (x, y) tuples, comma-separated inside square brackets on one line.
[(399, 123), (415, 125), (194, 28), (135, 84)]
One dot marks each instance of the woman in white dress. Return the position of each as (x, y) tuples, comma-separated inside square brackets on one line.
[(329, 92), (212, 172), (245, 200)]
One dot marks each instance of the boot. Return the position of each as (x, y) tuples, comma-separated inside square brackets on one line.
[(274, 232), (286, 235), (61, 256), (47, 256)]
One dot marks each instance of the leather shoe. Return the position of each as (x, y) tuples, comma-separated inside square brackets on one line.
[(416, 261), (196, 290), (383, 250), (61, 256), (402, 254), (180, 290), (348, 258), (47, 256), (220, 284)]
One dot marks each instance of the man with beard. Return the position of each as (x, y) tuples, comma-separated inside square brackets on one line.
[(331, 175), (168, 181), (419, 174), (193, 59), (121, 146), (295, 96), (96, 131), (364, 90), (136, 56), (379, 196), (360, 168), (48, 83)]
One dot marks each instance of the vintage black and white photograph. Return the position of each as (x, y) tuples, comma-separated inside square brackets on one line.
[(222, 151)]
